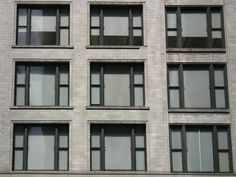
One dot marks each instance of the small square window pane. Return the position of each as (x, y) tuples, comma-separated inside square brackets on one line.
[(64, 75), (64, 96), (95, 141), (176, 142), (64, 36), (95, 95), (140, 160), (20, 96), (20, 74), (63, 141), (174, 98), (63, 160), (223, 140), (171, 20), (95, 32), (137, 32), (19, 139), (138, 78), (177, 164), (21, 36), (216, 20), (22, 17), (216, 34), (137, 21), (64, 20), (172, 33), (220, 98), (224, 161), (95, 79), (174, 78), (138, 96), (219, 78), (18, 160), (95, 160)]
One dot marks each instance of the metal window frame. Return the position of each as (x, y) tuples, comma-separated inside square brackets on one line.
[(29, 8), (27, 65), (132, 128), (214, 129), (26, 127)]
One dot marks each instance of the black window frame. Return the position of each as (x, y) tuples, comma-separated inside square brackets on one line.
[(57, 128), (130, 8), (211, 68), (214, 128), (31, 7), (58, 85), (132, 85), (210, 29), (134, 149)]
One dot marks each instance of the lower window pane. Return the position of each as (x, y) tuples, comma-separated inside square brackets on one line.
[(220, 98), (95, 95), (138, 96), (194, 42), (21, 36), (20, 96), (137, 37), (63, 160), (64, 94), (140, 160), (216, 39), (224, 161), (95, 160), (18, 160), (177, 161), (64, 37), (174, 99), (172, 39), (43, 38)]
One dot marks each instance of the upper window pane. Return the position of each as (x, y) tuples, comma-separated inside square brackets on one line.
[(171, 20)]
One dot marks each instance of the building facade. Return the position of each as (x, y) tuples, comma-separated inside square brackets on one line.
[(117, 88)]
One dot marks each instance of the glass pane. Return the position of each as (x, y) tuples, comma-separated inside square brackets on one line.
[(174, 98), (176, 140), (224, 161), (140, 137), (216, 34), (95, 95), (96, 160), (95, 79), (216, 20), (94, 39), (43, 26), (117, 148), (64, 74), (171, 20), (64, 20), (140, 160), (174, 78), (138, 96), (64, 96), (64, 36), (19, 137), (18, 160), (116, 27), (137, 18), (223, 140), (41, 148), (95, 17), (220, 98), (63, 141), (177, 164), (22, 17), (21, 36), (95, 32), (95, 141), (137, 32), (42, 85), (197, 89), (20, 74), (172, 39), (219, 78), (172, 33), (63, 160), (117, 80), (138, 78), (20, 96), (217, 39)]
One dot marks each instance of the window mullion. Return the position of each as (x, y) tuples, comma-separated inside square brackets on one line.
[(179, 28), (57, 26), (133, 156), (28, 38), (25, 151), (184, 148), (212, 86), (57, 85), (215, 149), (132, 86), (130, 27), (101, 26), (102, 85), (27, 85), (209, 28), (102, 151), (181, 86)]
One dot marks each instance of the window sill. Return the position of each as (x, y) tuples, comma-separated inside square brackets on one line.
[(223, 111), (42, 47), (41, 107), (195, 50), (117, 108), (113, 47)]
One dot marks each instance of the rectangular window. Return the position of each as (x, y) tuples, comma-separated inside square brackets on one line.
[(42, 84), (116, 25), (117, 84), (42, 25), (194, 27), (118, 147), (197, 86), (41, 147), (200, 148)]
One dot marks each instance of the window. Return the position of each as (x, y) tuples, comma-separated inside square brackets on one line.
[(200, 148), (42, 84), (197, 86), (116, 25), (117, 84), (118, 147), (41, 147), (42, 25), (195, 27)]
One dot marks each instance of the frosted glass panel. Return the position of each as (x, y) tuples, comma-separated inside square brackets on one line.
[(64, 36), (63, 141), (194, 24), (19, 139), (137, 20), (196, 89), (172, 33), (140, 160), (20, 74), (219, 77), (171, 20), (216, 34), (95, 79), (21, 37), (224, 161), (139, 138), (22, 17), (64, 75), (64, 20), (63, 160), (18, 157), (177, 161), (95, 32), (117, 149), (138, 78), (95, 94), (223, 140), (20, 96), (174, 98), (95, 141), (176, 140), (138, 96), (42, 85), (220, 98), (216, 20), (137, 32), (64, 96), (41, 148), (95, 160), (174, 78)]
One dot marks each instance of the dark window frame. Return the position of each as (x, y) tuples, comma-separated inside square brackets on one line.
[(210, 29), (29, 8), (101, 23), (27, 65), (132, 85), (211, 68), (214, 128), (25, 145), (102, 128)]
